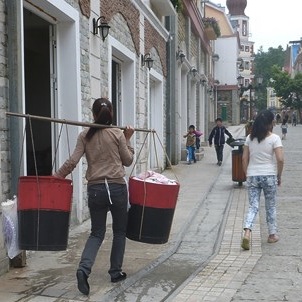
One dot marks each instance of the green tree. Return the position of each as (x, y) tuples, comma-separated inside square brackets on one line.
[(177, 4), (265, 60), (281, 82), (263, 63), (289, 89)]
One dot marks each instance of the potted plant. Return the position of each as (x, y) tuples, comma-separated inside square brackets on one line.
[(211, 26), (177, 4)]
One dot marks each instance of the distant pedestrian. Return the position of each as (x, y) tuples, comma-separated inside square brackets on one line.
[(190, 144), (218, 134), (284, 127), (278, 118), (198, 134), (294, 118), (263, 173)]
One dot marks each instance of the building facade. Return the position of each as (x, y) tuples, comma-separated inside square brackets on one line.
[(227, 48), (55, 64), (240, 22), (193, 105)]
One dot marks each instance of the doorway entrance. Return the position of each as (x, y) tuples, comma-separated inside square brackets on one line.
[(39, 49), (224, 113), (155, 122), (116, 92)]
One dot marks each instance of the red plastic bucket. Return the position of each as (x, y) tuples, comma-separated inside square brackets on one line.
[(44, 205), (152, 210)]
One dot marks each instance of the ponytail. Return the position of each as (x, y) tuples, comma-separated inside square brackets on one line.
[(102, 113)]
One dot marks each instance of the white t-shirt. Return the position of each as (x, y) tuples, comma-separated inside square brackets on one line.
[(262, 155)]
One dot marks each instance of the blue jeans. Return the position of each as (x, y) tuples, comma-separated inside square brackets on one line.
[(190, 153), (255, 185), (99, 204)]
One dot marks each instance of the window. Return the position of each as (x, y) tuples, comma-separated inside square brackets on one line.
[(247, 65), (247, 48), (246, 82), (234, 23), (242, 47), (244, 28)]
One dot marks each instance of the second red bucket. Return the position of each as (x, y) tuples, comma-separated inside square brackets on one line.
[(152, 210), (44, 205)]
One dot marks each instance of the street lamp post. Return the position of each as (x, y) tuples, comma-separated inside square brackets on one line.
[(251, 107), (250, 87)]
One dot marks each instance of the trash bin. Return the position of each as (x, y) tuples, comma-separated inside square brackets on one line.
[(152, 210), (44, 204), (237, 168)]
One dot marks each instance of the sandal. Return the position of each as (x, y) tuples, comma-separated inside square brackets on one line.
[(245, 244), (272, 238)]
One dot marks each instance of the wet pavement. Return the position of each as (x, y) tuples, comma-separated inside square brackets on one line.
[(202, 260)]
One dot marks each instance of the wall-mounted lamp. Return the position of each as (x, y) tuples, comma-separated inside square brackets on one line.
[(216, 82), (146, 59), (215, 57), (180, 56), (210, 90), (203, 82), (101, 24), (194, 71)]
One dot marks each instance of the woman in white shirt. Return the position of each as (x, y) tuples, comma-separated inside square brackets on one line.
[(263, 173)]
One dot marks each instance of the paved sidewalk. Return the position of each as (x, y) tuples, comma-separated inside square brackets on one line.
[(277, 275), (50, 276), (268, 272), (227, 270)]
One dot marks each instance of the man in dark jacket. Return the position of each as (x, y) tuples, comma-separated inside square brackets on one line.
[(218, 134)]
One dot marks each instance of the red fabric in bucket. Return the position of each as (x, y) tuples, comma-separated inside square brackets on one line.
[(44, 193), (153, 195)]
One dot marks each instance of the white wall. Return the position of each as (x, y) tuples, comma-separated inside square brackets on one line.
[(226, 67), (68, 102)]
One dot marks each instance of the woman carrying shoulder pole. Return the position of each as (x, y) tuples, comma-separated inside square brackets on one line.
[(107, 151)]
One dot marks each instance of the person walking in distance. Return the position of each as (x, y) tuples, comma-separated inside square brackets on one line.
[(294, 118), (190, 145), (260, 149), (218, 134), (284, 127), (278, 118), (198, 134), (107, 151)]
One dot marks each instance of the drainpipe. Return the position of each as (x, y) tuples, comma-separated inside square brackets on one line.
[(14, 28), (171, 147), (14, 51)]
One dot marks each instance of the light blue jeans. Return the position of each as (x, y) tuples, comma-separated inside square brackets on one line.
[(190, 153), (255, 185)]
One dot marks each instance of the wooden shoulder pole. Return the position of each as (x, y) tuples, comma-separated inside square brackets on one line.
[(70, 122)]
